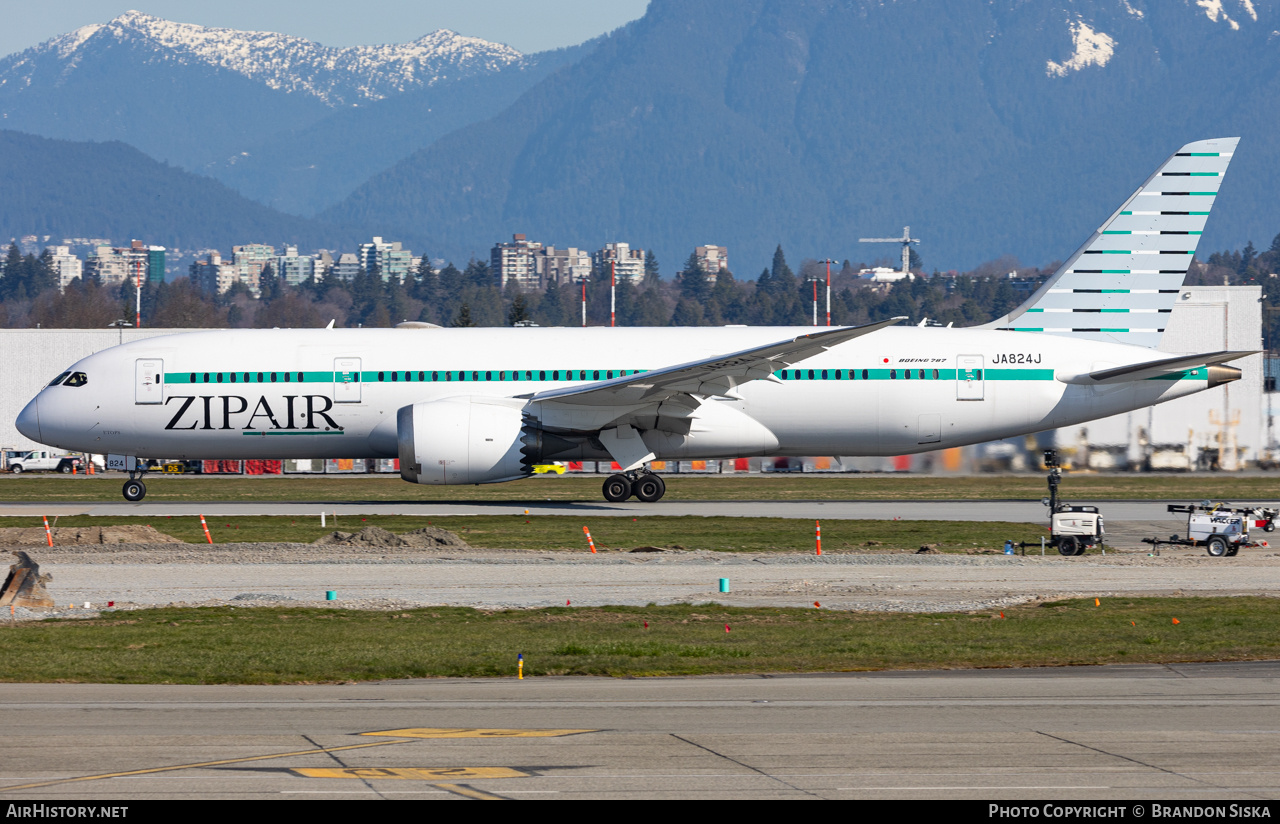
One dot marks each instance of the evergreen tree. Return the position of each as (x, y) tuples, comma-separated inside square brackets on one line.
[(268, 284), (519, 312), (463, 319), (652, 277)]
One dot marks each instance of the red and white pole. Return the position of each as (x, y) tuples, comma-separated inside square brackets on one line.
[(819, 534), (815, 301), (828, 292), (207, 536), (590, 542), (137, 317), (613, 293), (584, 303), (48, 534)]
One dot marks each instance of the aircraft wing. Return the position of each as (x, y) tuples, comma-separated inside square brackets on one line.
[(716, 376), (1154, 369)]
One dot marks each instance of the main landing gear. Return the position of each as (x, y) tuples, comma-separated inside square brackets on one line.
[(645, 486)]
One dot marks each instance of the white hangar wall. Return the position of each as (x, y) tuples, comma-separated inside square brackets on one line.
[(30, 358)]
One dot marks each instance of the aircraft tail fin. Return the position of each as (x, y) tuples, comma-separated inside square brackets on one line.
[(1120, 286)]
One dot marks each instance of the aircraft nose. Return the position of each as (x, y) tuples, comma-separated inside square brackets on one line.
[(28, 422)]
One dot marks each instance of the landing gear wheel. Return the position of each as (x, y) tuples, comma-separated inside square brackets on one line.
[(1218, 547), (134, 491), (617, 489), (649, 488)]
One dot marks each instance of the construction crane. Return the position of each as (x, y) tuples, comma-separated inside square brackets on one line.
[(906, 240)]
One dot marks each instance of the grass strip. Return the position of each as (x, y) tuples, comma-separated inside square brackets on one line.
[(782, 487), (555, 532), (297, 646)]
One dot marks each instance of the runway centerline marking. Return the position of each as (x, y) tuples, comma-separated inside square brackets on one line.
[(172, 768), (469, 732)]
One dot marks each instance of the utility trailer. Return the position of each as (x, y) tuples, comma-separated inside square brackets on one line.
[(1221, 529), (1072, 529)]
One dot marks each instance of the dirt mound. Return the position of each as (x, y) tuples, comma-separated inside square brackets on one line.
[(85, 536), (431, 537), (374, 537)]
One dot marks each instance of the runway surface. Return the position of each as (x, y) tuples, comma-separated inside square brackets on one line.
[(1177, 733), (1016, 511)]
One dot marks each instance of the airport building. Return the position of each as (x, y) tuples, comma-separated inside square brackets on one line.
[(562, 266)]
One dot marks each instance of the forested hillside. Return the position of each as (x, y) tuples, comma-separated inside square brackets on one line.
[(110, 190)]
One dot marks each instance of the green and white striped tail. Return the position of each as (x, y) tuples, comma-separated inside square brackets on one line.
[(1121, 285)]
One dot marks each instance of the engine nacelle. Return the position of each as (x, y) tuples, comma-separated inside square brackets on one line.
[(469, 440)]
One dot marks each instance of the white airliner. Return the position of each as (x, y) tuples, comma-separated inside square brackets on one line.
[(479, 406)]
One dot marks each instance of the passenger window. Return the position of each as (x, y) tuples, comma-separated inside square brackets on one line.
[(824, 374), (77, 379), (893, 374), (233, 377), (219, 377), (59, 379), (935, 374), (864, 374)]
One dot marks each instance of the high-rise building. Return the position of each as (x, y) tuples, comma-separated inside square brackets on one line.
[(562, 266), (66, 266), (295, 269), (713, 260), (389, 259), (115, 265), (347, 267), (516, 264), (628, 263), (252, 259), (214, 275)]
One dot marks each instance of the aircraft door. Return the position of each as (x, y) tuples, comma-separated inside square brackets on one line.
[(148, 381), (346, 380), (970, 384)]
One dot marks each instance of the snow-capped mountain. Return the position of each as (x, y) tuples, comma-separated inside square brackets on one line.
[(280, 62)]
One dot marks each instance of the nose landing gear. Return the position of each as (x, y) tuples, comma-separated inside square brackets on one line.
[(134, 489), (645, 486)]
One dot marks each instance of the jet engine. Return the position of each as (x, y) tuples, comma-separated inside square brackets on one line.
[(470, 440)]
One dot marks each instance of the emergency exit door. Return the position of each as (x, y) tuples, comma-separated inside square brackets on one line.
[(148, 381), (970, 384), (346, 380)]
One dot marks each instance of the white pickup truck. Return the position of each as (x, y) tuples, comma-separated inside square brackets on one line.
[(41, 460)]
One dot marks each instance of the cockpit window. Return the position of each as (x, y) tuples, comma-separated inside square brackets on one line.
[(78, 379), (59, 379)]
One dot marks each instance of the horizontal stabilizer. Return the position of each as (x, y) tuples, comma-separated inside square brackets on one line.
[(1154, 369)]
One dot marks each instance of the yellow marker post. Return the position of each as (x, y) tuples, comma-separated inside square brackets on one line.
[(520, 668)]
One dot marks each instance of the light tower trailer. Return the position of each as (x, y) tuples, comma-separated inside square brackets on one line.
[(1072, 529), (1222, 530)]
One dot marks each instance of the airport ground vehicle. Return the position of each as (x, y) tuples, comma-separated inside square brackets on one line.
[(549, 469), (1221, 529), (44, 460)]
